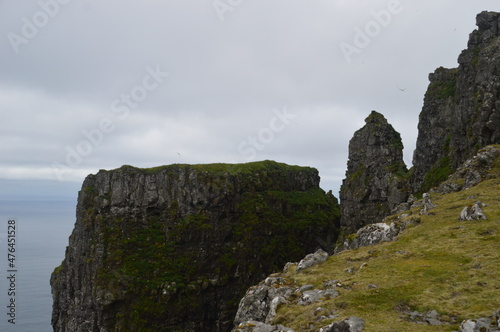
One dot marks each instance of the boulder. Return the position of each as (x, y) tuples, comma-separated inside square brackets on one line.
[(479, 325), (352, 324), (375, 233), (426, 204), (310, 260), (261, 302), (472, 212)]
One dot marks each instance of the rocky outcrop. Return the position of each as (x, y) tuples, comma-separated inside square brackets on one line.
[(261, 302), (473, 212), (482, 324), (479, 168), (375, 233), (461, 111), (312, 259), (375, 180), (174, 248), (351, 324)]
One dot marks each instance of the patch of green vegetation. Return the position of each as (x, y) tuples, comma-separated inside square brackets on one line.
[(358, 173), (351, 237), (440, 264), (88, 190), (57, 270), (281, 221), (398, 170), (396, 141), (141, 260), (446, 88), (495, 168), (219, 168), (437, 175), (475, 56), (197, 222), (376, 118), (441, 171)]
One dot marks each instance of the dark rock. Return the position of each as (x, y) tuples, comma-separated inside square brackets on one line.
[(375, 180), (174, 248), (352, 324), (460, 113)]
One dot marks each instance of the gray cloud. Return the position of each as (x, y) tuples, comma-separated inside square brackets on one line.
[(227, 78)]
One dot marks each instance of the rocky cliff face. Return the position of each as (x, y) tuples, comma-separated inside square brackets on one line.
[(376, 174), (174, 248), (461, 111)]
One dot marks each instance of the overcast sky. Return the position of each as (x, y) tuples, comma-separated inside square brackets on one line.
[(88, 85)]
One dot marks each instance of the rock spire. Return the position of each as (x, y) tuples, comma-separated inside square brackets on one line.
[(376, 174)]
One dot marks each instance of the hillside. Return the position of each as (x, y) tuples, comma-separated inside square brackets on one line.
[(438, 263)]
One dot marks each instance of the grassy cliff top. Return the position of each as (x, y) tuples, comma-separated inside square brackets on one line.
[(441, 264), (219, 168)]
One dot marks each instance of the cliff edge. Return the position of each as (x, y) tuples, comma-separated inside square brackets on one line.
[(174, 248), (461, 107)]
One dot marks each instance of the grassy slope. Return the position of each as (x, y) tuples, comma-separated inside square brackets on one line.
[(440, 264)]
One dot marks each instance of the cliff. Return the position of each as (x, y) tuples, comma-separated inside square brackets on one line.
[(413, 272), (375, 180), (461, 107), (174, 248), (430, 266)]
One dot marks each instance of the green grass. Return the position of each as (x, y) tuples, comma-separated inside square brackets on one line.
[(217, 168), (440, 264), (446, 87)]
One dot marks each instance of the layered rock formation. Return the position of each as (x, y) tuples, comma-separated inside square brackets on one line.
[(174, 248), (376, 175), (461, 111)]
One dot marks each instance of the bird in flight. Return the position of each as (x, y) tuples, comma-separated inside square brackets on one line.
[(402, 89)]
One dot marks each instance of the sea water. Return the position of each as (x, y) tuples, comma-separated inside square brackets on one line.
[(41, 236)]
